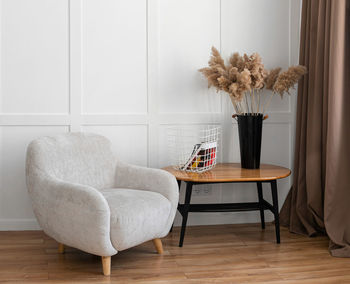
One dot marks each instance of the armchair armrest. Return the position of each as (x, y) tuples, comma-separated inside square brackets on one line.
[(142, 178), (73, 214), (136, 177)]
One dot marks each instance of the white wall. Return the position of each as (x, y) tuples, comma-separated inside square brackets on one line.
[(128, 70)]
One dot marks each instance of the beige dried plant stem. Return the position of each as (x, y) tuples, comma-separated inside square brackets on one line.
[(254, 103), (246, 101), (235, 105), (251, 100), (266, 105), (240, 107), (256, 99)]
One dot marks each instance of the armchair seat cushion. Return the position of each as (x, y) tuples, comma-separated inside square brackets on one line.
[(136, 216)]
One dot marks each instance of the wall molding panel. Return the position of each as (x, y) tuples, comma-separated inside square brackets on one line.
[(128, 70)]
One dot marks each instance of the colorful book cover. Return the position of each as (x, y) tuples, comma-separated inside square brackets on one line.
[(203, 155)]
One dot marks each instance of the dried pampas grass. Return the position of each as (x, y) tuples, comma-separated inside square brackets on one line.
[(240, 75), (216, 59), (237, 61), (288, 79), (216, 72), (243, 76), (271, 78)]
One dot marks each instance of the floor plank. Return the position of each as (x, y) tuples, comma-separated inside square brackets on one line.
[(211, 254)]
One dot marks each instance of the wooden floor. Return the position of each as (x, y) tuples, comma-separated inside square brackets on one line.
[(220, 254)]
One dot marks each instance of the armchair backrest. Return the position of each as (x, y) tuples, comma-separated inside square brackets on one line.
[(74, 157)]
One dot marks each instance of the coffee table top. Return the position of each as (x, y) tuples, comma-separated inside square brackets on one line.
[(232, 172)]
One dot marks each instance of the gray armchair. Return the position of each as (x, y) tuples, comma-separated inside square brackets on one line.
[(85, 198)]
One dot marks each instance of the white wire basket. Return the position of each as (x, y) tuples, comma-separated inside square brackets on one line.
[(193, 149)]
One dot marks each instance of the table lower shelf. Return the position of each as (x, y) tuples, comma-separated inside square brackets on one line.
[(225, 207)]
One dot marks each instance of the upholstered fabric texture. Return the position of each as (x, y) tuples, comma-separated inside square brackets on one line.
[(84, 197)]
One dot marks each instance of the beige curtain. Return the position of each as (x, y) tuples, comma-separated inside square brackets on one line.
[(319, 201)]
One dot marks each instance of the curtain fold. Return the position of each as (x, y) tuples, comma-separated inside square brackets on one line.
[(319, 201)]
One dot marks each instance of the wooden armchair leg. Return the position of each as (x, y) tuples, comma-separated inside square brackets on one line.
[(106, 265), (60, 248), (158, 244)]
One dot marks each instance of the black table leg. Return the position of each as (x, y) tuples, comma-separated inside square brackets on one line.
[(260, 195), (185, 209), (179, 185), (275, 209)]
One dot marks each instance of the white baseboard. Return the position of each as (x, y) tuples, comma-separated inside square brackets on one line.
[(19, 225)]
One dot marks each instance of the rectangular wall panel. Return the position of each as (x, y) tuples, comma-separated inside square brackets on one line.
[(34, 56), (129, 142), (187, 30), (114, 56)]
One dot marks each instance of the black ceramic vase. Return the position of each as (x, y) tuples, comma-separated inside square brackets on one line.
[(250, 131)]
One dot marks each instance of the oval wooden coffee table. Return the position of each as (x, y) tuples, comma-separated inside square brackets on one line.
[(231, 173)]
